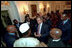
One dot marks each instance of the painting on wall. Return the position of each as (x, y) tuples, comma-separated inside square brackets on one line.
[(6, 17)]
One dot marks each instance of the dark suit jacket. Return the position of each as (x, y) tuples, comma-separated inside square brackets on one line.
[(55, 44), (9, 39), (20, 34), (66, 30), (19, 25), (49, 23), (32, 25), (44, 32)]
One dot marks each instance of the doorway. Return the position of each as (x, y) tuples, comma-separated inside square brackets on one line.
[(33, 10), (5, 18)]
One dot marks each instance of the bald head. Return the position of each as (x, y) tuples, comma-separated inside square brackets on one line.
[(55, 33), (11, 28), (64, 16)]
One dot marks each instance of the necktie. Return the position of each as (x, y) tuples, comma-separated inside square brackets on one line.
[(63, 23), (38, 30)]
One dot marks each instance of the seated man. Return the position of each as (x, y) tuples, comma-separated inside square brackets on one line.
[(56, 38), (28, 42), (17, 24), (10, 36), (25, 30)]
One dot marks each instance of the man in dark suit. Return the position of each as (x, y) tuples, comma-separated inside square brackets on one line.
[(17, 24), (31, 23), (55, 40), (10, 36), (48, 21), (42, 30), (65, 26)]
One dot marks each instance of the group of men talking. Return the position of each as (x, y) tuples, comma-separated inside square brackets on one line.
[(21, 34)]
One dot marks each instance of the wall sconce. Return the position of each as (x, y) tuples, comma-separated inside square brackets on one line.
[(25, 9), (4, 3), (41, 7), (48, 7)]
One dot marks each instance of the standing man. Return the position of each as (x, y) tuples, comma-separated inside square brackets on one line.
[(48, 21), (42, 30), (65, 26), (31, 23)]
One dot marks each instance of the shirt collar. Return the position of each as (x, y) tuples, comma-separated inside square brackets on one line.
[(56, 40), (11, 33), (41, 24), (17, 25), (65, 21)]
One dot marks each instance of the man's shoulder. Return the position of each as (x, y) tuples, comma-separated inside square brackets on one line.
[(20, 23), (45, 24), (68, 23)]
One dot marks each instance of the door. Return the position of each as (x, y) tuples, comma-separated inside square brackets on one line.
[(33, 10), (5, 18)]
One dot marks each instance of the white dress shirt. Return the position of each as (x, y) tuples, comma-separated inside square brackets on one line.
[(17, 25), (56, 40), (40, 28), (11, 33), (28, 23), (65, 21)]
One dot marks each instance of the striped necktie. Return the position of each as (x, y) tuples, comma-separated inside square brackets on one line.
[(38, 30)]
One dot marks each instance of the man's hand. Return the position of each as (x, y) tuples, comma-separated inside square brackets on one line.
[(37, 35), (43, 44)]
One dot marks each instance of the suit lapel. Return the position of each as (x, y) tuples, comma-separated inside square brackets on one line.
[(67, 22)]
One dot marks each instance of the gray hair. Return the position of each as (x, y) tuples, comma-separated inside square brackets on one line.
[(40, 17)]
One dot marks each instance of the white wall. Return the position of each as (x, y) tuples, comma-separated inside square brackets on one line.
[(12, 10), (20, 5), (16, 8)]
